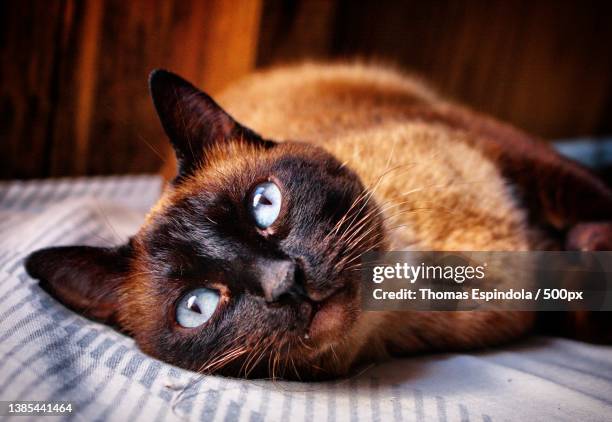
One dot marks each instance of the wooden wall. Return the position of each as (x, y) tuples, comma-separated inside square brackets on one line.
[(74, 101), (544, 65), (74, 97)]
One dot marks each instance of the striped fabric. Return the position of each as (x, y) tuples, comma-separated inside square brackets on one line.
[(49, 353)]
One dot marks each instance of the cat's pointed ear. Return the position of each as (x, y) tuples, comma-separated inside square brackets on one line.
[(84, 278), (192, 120)]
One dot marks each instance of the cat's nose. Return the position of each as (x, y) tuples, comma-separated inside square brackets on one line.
[(277, 279)]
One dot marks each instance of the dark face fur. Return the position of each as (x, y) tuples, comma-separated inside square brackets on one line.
[(286, 290)]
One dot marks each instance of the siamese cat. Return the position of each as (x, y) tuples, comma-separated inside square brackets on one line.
[(249, 263)]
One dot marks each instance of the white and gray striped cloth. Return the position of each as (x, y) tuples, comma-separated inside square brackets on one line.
[(50, 353)]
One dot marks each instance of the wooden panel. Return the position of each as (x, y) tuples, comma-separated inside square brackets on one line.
[(296, 30), (27, 92), (74, 100), (546, 66), (88, 63)]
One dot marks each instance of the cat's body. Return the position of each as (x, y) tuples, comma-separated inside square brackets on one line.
[(425, 175), (436, 177)]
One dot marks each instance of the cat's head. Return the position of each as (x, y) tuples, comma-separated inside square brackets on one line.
[(246, 264)]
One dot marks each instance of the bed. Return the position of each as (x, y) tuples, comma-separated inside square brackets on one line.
[(50, 353)]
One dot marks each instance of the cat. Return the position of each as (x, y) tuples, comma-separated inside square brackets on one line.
[(246, 265)]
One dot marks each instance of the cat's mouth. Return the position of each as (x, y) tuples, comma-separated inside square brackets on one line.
[(327, 316), (325, 307), (331, 315), (333, 307)]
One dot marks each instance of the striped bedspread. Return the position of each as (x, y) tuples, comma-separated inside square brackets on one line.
[(50, 353)]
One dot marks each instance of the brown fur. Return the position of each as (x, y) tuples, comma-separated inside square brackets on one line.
[(426, 177), (432, 164), (440, 177)]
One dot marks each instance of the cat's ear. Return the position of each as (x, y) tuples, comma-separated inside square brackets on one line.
[(192, 120), (84, 278)]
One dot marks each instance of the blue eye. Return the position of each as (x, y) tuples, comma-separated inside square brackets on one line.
[(265, 203), (196, 307)]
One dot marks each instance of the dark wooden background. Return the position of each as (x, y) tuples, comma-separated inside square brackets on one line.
[(74, 101)]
